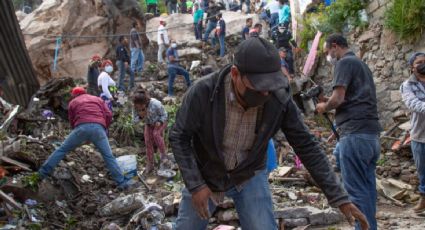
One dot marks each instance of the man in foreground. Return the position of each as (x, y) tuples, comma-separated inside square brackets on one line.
[(220, 138)]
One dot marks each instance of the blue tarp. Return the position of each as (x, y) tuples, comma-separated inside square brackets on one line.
[(328, 2), (271, 157)]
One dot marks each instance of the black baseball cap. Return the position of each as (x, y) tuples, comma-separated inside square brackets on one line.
[(259, 60)]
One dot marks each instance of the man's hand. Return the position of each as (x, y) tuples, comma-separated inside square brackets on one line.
[(200, 202), (157, 124), (296, 50), (321, 107), (126, 65), (351, 212)]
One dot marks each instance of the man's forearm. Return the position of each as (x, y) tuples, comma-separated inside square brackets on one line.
[(332, 104)]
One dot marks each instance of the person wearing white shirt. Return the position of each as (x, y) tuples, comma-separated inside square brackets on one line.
[(274, 7), (104, 81), (163, 40)]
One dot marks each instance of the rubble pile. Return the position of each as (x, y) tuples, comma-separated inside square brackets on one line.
[(80, 194)]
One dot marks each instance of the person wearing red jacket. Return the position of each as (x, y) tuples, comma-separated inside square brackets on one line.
[(89, 117)]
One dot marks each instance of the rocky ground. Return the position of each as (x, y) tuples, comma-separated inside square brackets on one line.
[(80, 194)]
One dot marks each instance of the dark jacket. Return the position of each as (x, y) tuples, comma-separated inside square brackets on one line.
[(222, 25), (92, 74), (213, 11), (197, 136), (283, 39), (122, 54), (88, 109)]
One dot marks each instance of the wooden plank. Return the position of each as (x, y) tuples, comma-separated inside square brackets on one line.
[(286, 179), (283, 171), (17, 163), (10, 200)]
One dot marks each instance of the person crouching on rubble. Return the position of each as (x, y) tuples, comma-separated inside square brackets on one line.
[(413, 94), (155, 119), (90, 118), (106, 84)]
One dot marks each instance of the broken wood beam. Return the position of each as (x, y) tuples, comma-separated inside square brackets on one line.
[(17, 163), (10, 200), (286, 179)]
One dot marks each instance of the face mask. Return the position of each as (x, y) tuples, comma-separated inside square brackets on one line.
[(253, 98), (174, 45), (109, 69), (421, 69), (331, 60)]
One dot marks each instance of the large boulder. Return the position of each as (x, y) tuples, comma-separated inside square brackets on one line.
[(84, 18)]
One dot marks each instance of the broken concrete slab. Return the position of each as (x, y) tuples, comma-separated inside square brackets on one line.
[(296, 222), (227, 215), (314, 215), (123, 205), (325, 217), (190, 52), (294, 213)]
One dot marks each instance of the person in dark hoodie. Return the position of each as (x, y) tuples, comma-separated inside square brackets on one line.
[(123, 63)]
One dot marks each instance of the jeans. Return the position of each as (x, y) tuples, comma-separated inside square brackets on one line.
[(418, 150), (274, 20), (210, 26), (204, 5), (227, 4), (173, 71), (358, 156), (337, 154), (248, 6), (96, 134), (172, 8), (290, 60), (253, 204), (264, 16), (137, 60), (161, 50), (122, 70), (198, 30), (222, 44)]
